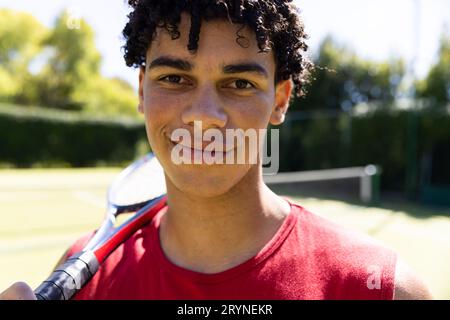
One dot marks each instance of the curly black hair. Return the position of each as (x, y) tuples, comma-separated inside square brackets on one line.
[(276, 23)]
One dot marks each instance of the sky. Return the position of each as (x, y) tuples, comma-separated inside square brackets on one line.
[(376, 30)]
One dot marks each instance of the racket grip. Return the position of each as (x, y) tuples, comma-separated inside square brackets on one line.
[(69, 277)]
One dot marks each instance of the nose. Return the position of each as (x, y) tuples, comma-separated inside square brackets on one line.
[(207, 108)]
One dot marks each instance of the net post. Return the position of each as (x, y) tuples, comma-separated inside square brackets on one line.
[(370, 185)]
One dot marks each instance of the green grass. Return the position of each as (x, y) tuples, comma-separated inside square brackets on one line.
[(45, 210)]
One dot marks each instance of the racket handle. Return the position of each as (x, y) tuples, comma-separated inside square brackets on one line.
[(69, 277)]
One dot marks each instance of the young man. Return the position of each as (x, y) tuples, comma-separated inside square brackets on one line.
[(224, 234)]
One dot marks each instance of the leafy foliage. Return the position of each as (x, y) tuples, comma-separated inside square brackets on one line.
[(436, 85), (342, 80), (21, 38), (69, 77)]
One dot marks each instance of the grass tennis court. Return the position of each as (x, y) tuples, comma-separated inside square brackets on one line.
[(44, 211)]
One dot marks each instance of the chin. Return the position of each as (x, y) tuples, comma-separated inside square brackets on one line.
[(205, 181)]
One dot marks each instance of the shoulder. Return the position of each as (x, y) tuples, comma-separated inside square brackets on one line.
[(327, 233), (358, 265), (408, 285), (360, 254), (121, 274)]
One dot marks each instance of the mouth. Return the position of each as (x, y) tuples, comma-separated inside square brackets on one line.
[(190, 153), (201, 146)]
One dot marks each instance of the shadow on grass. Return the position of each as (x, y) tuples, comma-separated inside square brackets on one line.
[(349, 194)]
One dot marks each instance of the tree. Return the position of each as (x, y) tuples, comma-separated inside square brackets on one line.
[(102, 96), (74, 60), (436, 85), (70, 75), (21, 37), (341, 79), (72, 79)]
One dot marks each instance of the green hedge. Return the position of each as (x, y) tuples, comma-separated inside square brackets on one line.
[(40, 137), (411, 146)]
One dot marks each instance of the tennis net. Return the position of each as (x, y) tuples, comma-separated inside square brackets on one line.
[(356, 183)]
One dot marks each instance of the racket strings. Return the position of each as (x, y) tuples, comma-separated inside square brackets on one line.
[(144, 182)]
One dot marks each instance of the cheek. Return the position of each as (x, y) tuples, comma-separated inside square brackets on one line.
[(252, 113), (161, 108), (160, 112)]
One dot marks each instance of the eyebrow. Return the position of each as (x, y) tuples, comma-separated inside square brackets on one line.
[(184, 65), (245, 67), (165, 61)]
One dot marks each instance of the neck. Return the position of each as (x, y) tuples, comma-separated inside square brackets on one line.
[(213, 234)]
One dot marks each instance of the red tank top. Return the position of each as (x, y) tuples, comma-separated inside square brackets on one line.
[(308, 258)]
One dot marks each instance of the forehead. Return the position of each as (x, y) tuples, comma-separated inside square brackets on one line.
[(217, 44)]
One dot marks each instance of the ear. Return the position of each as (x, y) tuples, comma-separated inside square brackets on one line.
[(141, 89), (283, 92)]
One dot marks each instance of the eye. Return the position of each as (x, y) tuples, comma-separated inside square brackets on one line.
[(242, 84), (172, 79)]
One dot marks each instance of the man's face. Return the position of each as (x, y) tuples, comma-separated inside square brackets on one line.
[(223, 85)]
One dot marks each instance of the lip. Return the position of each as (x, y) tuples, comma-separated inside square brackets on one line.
[(200, 150), (220, 148), (199, 156)]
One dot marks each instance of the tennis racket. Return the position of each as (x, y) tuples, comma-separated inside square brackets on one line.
[(140, 187)]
